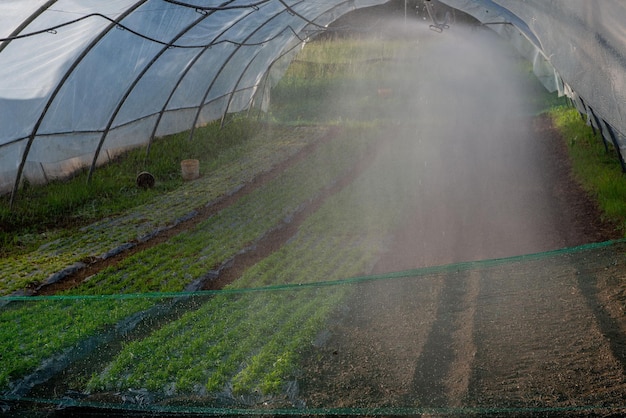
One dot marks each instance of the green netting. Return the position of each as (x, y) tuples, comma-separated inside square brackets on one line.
[(540, 333)]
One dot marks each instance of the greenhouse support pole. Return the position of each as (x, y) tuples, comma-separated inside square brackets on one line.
[(181, 78), (289, 10), (27, 22), (602, 135), (169, 98), (266, 76), (235, 89), (616, 145), (239, 45)]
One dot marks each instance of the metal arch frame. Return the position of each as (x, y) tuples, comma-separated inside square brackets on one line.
[(27, 22), (288, 49), (143, 72), (235, 89), (193, 62), (221, 69), (289, 10), (3, 45), (510, 18), (195, 59), (114, 23), (58, 88), (613, 136), (182, 77), (609, 132), (599, 125), (265, 77), (243, 72), (138, 78)]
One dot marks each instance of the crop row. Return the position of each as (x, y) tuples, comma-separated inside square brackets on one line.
[(172, 265), (228, 171), (40, 330), (251, 343)]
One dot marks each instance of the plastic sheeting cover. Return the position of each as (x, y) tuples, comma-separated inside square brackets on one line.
[(69, 70), (583, 42), (73, 73)]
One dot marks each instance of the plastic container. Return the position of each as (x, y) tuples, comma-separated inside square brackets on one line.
[(145, 180), (190, 169)]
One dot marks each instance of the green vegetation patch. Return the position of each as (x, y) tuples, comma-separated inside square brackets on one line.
[(38, 330), (249, 345), (597, 170), (174, 264), (325, 73), (47, 253)]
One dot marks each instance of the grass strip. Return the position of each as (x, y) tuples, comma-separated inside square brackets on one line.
[(597, 170), (71, 201)]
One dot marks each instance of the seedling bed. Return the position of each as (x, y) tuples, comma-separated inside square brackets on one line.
[(195, 250), (103, 239)]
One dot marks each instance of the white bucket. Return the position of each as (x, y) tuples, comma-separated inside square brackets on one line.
[(190, 169)]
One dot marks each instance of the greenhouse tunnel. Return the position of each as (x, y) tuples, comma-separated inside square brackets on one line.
[(387, 221), (81, 82)]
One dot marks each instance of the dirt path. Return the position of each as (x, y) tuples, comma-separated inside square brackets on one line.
[(540, 344)]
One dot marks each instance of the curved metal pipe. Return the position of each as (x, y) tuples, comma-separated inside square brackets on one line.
[(27, 22), (291, 11), (622, 163), (221, 69)]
